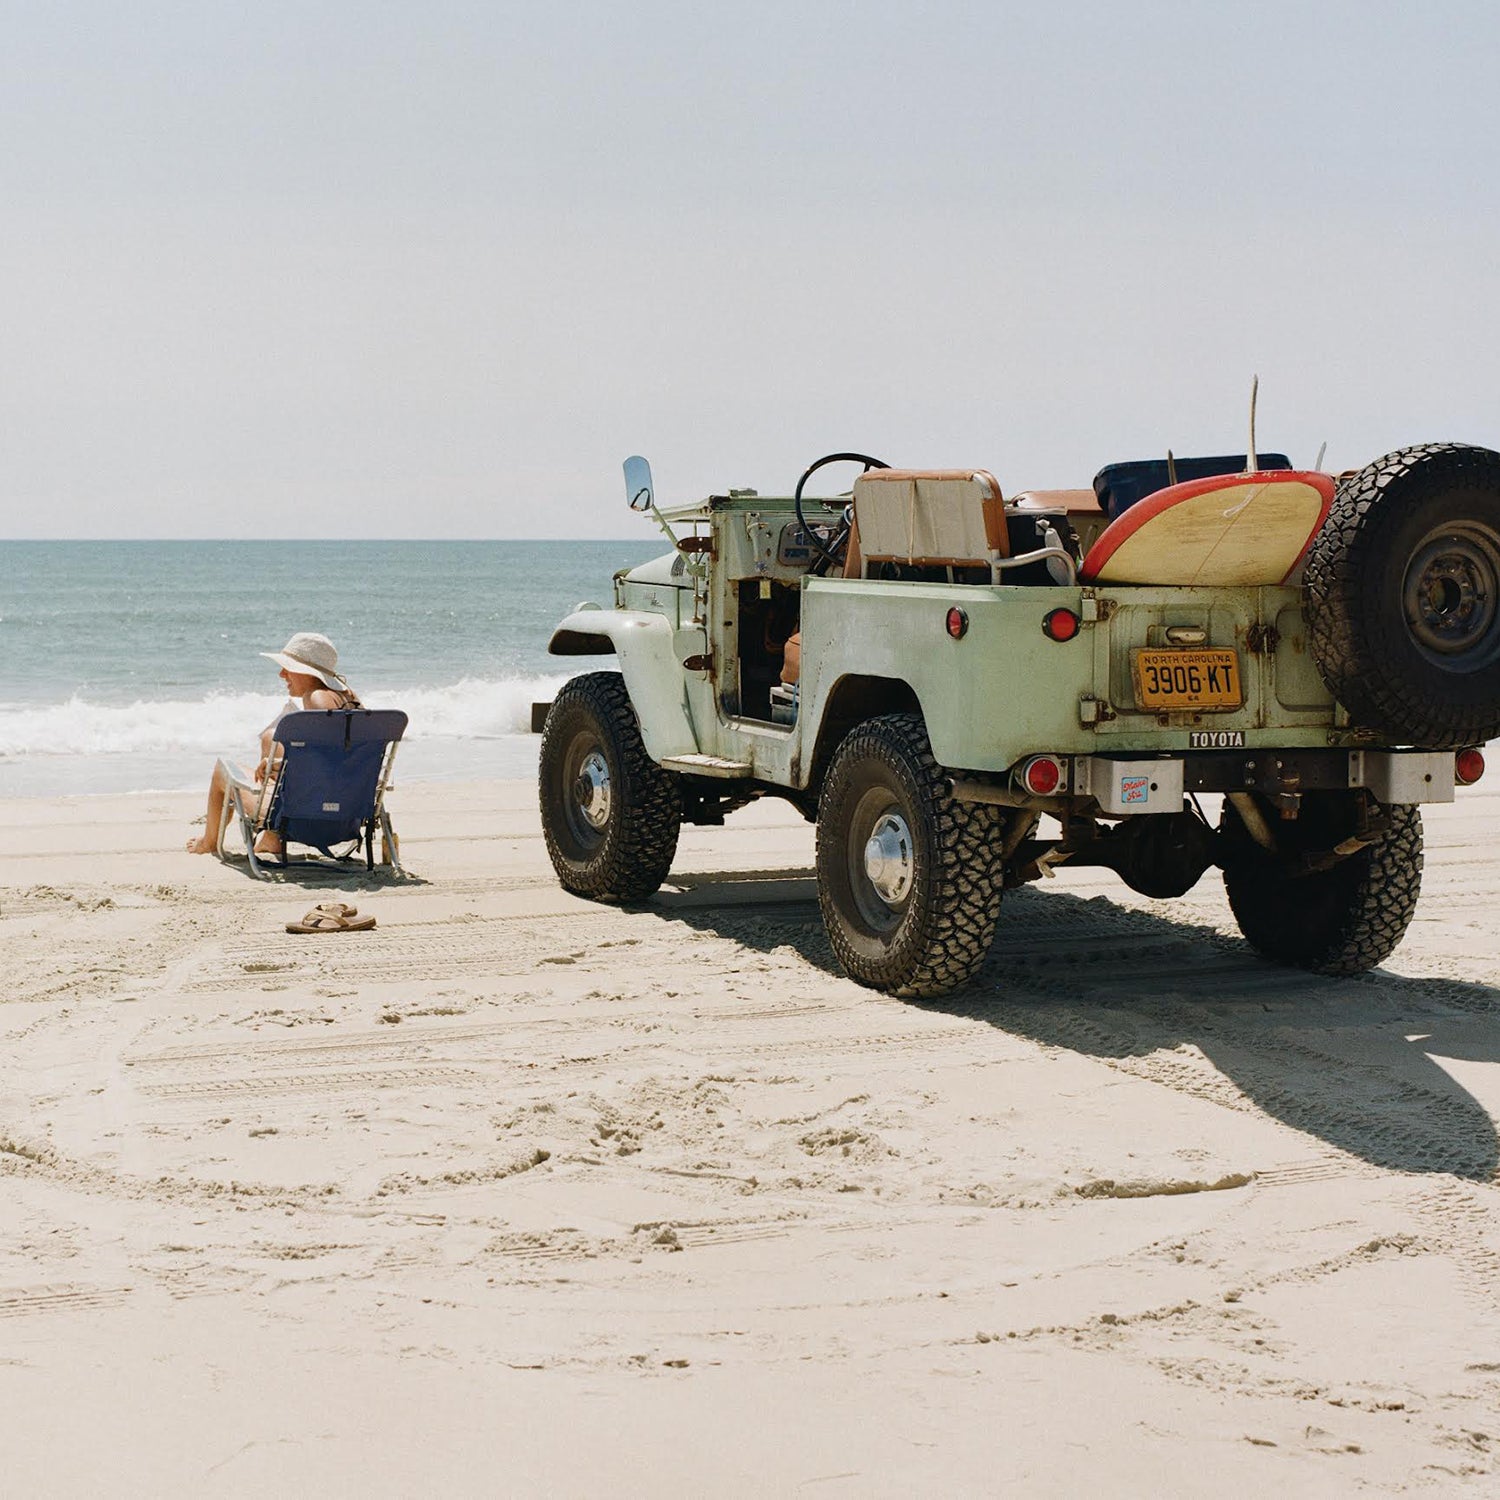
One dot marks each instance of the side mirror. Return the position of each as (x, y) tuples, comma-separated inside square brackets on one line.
[(638, 483)]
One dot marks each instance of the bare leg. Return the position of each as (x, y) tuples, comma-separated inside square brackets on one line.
[(208, 841), (268, 843)]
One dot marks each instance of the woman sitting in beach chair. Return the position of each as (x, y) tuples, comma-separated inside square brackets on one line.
[(309, 665)]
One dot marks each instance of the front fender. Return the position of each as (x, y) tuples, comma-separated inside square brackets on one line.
[(653, 675), (584, 632)]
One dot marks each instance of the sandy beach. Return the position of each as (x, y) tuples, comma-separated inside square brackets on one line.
[(520, 1195)]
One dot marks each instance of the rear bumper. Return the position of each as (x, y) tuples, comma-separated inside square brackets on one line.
[(1126, 785)]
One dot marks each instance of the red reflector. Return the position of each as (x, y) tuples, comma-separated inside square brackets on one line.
[(1041, 775), (958, 623), (1468, 767), (1061, 625)]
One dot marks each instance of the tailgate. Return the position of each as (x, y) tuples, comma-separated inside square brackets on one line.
[(1215, 662)]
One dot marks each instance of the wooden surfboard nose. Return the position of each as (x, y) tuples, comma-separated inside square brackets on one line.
[(1227, 531)]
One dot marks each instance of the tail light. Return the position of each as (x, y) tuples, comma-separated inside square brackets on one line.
[(1468, 767), (1041, 775), (1060, 625)]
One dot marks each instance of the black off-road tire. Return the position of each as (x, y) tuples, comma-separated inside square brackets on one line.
[(610, 814), (1403, 596), (929, 938), (1342, 920)]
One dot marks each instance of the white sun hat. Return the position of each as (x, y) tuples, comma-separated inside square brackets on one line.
[(312, 655)]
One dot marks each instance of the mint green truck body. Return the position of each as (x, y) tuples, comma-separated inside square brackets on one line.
[(1000, 693), (954, 734)]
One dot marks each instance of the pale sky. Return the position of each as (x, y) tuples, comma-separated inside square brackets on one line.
[(347, 269)]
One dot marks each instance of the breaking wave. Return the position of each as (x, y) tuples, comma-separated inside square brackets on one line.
[(227, 723)]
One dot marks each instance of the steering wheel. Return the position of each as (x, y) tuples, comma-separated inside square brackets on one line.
[(832, 550)]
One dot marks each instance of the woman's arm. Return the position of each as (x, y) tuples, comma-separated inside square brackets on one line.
[(267, 738)]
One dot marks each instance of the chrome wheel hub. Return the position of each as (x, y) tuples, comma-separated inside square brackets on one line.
[(591, 790), (888, 858)]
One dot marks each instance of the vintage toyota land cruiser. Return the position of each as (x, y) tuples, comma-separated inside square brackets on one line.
[(966, 690)]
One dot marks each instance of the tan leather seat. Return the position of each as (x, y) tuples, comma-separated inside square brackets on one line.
[(791, 658), (1086, 516), (929, 518), (1074, 502)]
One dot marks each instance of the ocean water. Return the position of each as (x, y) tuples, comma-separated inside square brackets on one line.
[(131, 666)]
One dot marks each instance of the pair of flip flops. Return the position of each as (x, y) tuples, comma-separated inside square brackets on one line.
[(332, 916)]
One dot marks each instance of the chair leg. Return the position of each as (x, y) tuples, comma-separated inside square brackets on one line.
[(225, 814), (257, 869), (234, 806), (390, 845)]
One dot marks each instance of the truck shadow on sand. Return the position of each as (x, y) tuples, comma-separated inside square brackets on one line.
[(1362, 1063)]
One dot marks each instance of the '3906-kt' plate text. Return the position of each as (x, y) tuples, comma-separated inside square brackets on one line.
[(1208, 678)]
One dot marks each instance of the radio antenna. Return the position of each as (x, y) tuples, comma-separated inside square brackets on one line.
[(1252, 464), (1318, 461), (1171, 468)]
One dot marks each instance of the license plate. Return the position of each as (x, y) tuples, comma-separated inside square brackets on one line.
[(1187, 679)]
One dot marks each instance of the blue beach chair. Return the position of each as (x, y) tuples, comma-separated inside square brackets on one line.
[(329, 790)]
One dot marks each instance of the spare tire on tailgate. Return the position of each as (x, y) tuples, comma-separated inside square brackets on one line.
[(1403, 596)]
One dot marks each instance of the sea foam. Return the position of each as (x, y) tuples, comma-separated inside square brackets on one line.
[(228, 723)]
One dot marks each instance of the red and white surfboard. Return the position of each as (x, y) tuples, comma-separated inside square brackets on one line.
[(1228, 531)]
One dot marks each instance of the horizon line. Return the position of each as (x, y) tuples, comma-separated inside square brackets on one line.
[(347, 541)]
